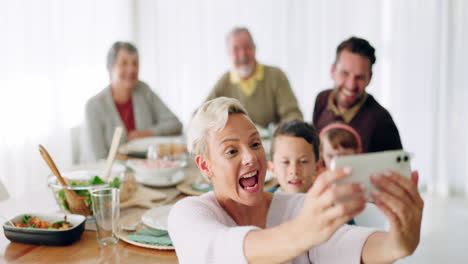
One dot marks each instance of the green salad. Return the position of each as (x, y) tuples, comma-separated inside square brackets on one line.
[(84, 193)]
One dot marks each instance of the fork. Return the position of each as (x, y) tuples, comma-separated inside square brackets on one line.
[(169, 198)]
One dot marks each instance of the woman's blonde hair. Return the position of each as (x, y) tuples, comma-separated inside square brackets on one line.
[(214, 115)]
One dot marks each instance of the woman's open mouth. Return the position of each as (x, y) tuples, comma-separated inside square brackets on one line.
[(249, 181)]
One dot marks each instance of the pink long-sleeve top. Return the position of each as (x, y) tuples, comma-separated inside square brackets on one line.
[(202, 232)]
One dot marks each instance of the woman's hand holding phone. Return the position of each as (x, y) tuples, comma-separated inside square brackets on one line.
[(328, 206), (399, 199)]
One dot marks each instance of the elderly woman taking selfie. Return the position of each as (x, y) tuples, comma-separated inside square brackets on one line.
[(126, 102), (240, 223)]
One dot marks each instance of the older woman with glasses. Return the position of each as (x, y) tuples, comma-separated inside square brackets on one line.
[(240, 223), (126, 102)]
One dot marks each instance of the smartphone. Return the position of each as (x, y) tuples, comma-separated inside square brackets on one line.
[(363, 165)]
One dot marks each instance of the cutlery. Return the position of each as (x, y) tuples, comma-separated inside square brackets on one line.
[(112, 152), (75, 204)]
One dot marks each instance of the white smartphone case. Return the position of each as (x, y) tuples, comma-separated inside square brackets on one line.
[(363, 165)]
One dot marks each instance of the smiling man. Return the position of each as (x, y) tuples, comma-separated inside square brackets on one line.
[(349, 102), (263, 90)]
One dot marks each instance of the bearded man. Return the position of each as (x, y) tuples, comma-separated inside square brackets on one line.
[(263, 90)]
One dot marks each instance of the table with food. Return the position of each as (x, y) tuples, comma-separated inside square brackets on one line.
[(56, 222)]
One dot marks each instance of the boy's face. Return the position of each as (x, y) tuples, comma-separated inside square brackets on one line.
[(293, 164), (329, 153)]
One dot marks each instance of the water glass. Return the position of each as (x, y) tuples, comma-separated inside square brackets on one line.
[(159, 151), (106, 211), (153, 152)]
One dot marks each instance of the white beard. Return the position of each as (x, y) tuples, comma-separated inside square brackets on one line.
[(245, 71)]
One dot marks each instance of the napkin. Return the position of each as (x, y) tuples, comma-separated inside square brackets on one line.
[(151, 236)]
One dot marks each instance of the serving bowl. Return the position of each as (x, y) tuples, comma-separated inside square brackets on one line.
[(49, 237), (83, 181), (79, 183), (156, 170)]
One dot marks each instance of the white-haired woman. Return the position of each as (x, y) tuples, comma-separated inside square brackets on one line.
[(126, 102), (239, 223)]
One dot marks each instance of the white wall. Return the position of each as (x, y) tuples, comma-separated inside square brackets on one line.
[(54, 52), (418, 76)]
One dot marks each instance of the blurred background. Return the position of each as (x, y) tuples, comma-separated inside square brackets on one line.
[(54, 52)]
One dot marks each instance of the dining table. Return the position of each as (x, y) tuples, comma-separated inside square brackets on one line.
[(87, 249)]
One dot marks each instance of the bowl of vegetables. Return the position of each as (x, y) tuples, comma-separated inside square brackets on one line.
[(81, 182), (45, 229)]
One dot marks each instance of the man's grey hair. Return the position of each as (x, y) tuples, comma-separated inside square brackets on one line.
[(114, 50), (238, 30), (210, 116)]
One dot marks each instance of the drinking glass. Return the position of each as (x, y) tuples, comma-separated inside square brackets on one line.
[(106, 211), (153, 152)]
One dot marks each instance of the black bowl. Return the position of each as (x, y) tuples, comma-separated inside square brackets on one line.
[(48, 237)]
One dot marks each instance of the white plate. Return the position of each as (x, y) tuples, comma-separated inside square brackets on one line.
[(157, 217), (177, 178), (141, 145)]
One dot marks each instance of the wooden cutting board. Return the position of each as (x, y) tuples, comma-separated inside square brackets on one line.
[(143, 197)]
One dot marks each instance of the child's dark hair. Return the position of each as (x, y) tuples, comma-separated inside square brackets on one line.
[(298, 129)]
